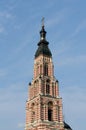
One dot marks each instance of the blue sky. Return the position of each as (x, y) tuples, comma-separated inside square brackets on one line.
[(20, 23)]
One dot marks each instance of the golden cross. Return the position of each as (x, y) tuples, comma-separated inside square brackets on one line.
[(42, 21)]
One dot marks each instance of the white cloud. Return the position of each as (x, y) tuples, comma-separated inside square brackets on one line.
[(21, 125), (11, 93), (79, 28), (12, 104), (6, 15), (56, 18), (18, 26), (74, 106), (2, 29), (64, 46), (73, 60), (3, 72)]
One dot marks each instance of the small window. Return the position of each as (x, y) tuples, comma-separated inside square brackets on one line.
[(49, 114), (53, 89), (33, 112), (47, 89), (50, 111), (46, 69), (40, 69)]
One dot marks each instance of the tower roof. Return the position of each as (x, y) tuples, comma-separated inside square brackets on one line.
[(66, 126), (43, 44)]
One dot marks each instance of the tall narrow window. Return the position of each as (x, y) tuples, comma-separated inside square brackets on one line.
[(33, 112), (50, 111), (58, 112), (49, 114), (47, 88), (53, 89), (46, 69)]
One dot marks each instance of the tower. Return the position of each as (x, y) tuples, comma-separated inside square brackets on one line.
[(44, 105)]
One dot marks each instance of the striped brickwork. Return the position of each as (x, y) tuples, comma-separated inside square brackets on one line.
[(43, 96)]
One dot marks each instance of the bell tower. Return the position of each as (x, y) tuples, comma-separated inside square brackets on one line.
[(44, 104)]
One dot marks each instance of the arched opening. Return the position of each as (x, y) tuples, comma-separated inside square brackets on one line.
[(58, 110), (53, 89), (33, 112), (50, 111), (48, 87), (35, 84), (46, 69), (49, 114)]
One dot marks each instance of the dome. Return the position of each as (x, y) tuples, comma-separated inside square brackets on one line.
[(67, 127), (43, 49), (43, 45)]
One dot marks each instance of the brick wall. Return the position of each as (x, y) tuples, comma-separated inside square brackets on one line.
[(44, 106)]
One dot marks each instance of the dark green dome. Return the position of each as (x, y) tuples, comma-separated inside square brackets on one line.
[(67, 127), (43, 45), (43, 49)]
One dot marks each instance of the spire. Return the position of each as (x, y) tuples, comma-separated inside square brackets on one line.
[(42, 32), (42, 21), (43, 43)]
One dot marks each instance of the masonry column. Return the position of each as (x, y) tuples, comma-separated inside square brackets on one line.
[(55, 112), (46, 112), (60, 111)]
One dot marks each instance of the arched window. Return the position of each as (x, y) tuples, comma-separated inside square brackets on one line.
[(50, 111), (53, 89), (49, 114), (48, 87), (35, 84), (36, 88), (46, 69), (58, 110), (33, 112)]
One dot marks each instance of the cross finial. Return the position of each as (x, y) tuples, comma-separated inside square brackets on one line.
[(42, 21)]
